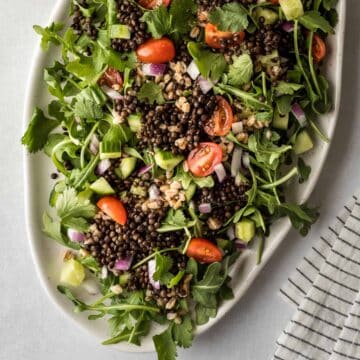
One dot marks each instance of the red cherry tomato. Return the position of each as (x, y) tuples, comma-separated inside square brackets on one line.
[(112, 78), (213, 36), (220, 122), (156, 51), (202, 160), (152, 4), (318, 48), (204, 251), (114, 208), (275, 2)]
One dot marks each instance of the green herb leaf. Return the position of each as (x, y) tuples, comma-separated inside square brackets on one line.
[(203, 314), (241, 70), (163, 266), (165, 345), (304, 171), (313, 21), (183, 334), (151, 92), (286, 88), (230, 17), (158, 21), (49, 34)]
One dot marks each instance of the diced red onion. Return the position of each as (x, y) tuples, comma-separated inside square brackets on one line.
[(151, 270), (123, 264), (104, 272), (193, 70), (154, 192), (103, 166), (240, 245), (230, 232), (145, 169), (288, 26), (75, 236), (237, 127), (246, 159), (153, 69), (91, 286), (205, 85), (220, 172), (205, 208), (236, 161), (111, 93), (94, 145), (298, 112)]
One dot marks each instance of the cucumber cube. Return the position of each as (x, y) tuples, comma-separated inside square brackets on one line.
[(72, 273), (126, 167), (292, 8), (245, 230), (303, 142), (102, 187)]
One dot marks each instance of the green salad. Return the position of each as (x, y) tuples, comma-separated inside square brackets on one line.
[(174, 128)]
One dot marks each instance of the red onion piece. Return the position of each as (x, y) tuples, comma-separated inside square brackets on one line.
[(153, 69), (154, 192), (240, 245), (111, 93), (220, 172), (230, 232), (103, 166), (237, 127), (123, 264), (151, 270), (205, 85), (75, 236), (246, 159), (236, 161), (193, 70), (145, 169), (288, 26), (298, 112), (205, 208), (94, 145)]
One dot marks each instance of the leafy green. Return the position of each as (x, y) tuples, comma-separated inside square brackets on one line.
[(286, 88), (329, 4), (117, 136), (186, 179), (158, 21), (312, 20), (230, 17), (151, 92), (162, 270), (304, 171), (165, 345), (183, 333), (241, 70), (175, 220), (49, 34), (203, 314)]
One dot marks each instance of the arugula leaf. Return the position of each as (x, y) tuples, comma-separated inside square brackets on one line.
[(151, 92), (165, 345), (158, 21), (211, 65), (203, 314), (183, 334), (283, 104), (38, 131), (312, 20), (49, 34), (329, 4), (230, 17), (304, 170), (241, 70), (286, 88), (90, 263)]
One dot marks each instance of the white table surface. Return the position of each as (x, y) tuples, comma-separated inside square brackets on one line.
[(32, 329)]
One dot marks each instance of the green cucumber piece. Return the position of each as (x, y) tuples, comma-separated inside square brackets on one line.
[(124, 278), (72, 273), (120, 31), (292, 8), (167, 160), (104, 154), (134, 121), (270, 16), (280, 121), (102, 187), (85, 194), (126, 167), (190, 192), (303, 142), (245, 230)]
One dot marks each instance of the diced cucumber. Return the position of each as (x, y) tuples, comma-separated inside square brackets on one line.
[(138, 190), (245, 230), (120, 31), (124, 278), (280, 121), (72, 273), (190, 192), (134, 121), (292, 8), (105, 154), (102, 187), (167, 160), (303, 142), (126, 167), (270, 16)]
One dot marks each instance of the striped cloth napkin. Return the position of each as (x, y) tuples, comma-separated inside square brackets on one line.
[(325, 288)]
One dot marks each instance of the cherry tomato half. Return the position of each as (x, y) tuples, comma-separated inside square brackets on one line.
[(156, 51), (114, 208), (213, 36), (111, 78), (204, 251), (152, 4), (202, 160), (220, 122), (275, 2), (318, 48)]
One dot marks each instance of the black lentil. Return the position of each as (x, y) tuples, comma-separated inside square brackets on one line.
[(82, 24)]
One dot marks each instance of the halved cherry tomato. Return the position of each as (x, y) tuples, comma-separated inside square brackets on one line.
[(318, 48), (156, 51), (114, 208), (202, 160), (275, 2), (213, 36), (220, 122), (204, 251), (152, 4), (111, 78)]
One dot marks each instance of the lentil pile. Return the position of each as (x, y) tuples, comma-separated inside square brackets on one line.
[(82, 24)]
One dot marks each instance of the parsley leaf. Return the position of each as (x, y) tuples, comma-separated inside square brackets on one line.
[(165, 345), (203, 314), (152, 92), (186, 179), (312, 20), (38, 131), (286, 88), (175, 220), (183, 333), (163, 266), (230, 17), (158, 21), (241, 70), (87, 109)]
